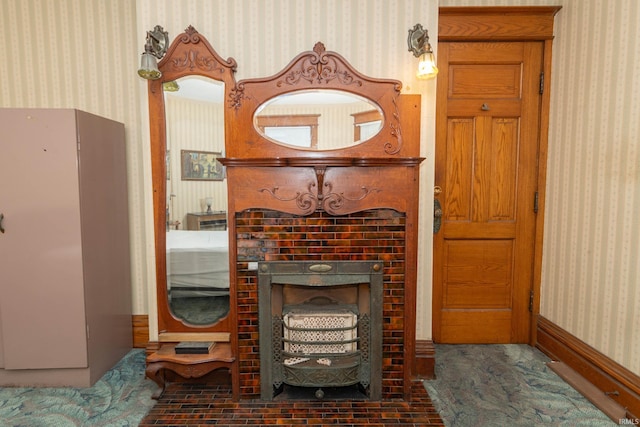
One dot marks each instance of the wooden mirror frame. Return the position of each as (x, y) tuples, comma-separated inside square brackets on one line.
[(189, 54), (317, 69)]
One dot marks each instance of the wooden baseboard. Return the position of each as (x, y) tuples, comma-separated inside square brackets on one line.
[(612, 379), (140, 325), (425, 363)]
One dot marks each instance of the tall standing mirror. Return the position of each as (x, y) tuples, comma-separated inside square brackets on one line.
[(188, 130), (197, 243)]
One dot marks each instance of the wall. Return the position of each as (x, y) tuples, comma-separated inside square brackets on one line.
[(591, 258), (82, 54), (591, 280), (592, 238)]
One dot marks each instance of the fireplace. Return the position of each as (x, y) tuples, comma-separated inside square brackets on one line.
[(320, 326), (307, 227)]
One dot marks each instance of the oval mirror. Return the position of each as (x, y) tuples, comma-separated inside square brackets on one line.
[(318, 119), (197, 251)]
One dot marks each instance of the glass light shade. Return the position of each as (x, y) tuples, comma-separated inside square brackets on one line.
[(427, 67), (171, 86), (149, 67)]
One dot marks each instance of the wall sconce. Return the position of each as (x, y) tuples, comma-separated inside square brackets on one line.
[(418, 41), (154, 49)]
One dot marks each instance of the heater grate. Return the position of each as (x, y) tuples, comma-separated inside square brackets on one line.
[(321, 330), (325, 332)]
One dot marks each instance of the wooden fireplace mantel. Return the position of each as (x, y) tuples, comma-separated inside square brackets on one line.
[(375, 179), (321, 162), (379, 173)]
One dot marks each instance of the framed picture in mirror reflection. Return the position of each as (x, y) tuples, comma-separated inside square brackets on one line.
[(201, 166)]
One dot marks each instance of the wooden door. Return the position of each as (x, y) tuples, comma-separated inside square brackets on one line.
[(487, 134)]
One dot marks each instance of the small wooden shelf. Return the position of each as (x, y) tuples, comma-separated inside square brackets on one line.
[(190, 365)]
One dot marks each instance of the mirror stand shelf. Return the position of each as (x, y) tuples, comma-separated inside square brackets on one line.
[(188, 365)]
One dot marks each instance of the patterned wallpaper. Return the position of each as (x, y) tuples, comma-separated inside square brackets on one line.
[(80, 54), (591, 275), (592, 236)]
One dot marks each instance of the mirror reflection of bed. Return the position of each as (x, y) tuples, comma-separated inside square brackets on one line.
[(198, 275), (197, 238)]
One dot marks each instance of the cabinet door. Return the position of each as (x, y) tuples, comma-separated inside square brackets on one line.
[(41, 285)]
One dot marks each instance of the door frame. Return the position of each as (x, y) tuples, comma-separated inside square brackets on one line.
[(534, 23)]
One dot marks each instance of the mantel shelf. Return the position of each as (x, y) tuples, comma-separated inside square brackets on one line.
[(321, 162)]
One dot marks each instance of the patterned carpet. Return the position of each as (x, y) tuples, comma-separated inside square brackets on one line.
[(505, 385), (122, 397), (492, 385)]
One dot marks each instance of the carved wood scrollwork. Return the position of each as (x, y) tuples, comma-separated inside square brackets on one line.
[(306, 201), (198, 56), (332, 202), (192, 60), (319, 67), (321, 196)]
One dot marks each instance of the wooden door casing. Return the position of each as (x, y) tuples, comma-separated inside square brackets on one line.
[(486, 165), (504, 250)]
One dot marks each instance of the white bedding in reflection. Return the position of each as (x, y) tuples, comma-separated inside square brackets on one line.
[(197, 263)]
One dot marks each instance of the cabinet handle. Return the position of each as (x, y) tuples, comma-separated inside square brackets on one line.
[(1, 227)]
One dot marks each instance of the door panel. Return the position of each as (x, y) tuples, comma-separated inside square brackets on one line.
[(478, 273), (486, 165), (482, 81)]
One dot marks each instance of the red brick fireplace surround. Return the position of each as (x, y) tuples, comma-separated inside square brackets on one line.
[(372, 235)]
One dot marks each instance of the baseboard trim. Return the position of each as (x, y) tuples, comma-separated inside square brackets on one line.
[(612, 379), (140, 325), (425, 360)]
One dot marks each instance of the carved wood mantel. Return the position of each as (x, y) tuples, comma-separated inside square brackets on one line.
[(379, 173)]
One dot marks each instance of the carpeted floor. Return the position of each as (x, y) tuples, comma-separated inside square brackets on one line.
[(491, 385), (121, 398), (505, 385)]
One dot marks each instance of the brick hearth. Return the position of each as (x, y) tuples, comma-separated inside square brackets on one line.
[(200, 404)]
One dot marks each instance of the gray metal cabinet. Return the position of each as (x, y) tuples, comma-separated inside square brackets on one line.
[(65, 283)]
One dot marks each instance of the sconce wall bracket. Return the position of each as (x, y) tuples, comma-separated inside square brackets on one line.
[(418, 41), (157, 42)]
